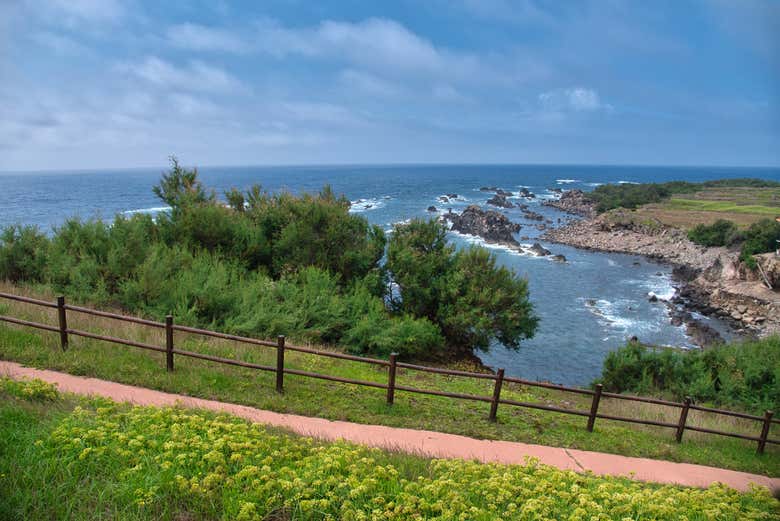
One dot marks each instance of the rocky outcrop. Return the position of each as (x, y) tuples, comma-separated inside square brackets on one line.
[(539, 250), (500, 201), (524, 192), (492, 226), (432, 208), (713, 280), (573, 202)]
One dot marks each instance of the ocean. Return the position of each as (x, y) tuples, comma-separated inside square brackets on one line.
[(588, 306)]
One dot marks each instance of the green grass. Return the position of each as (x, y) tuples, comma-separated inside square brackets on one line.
[(77, 459), (359, 404), (721, 206)]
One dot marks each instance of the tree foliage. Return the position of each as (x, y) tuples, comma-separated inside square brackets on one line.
[(266, 264), (720, 233), (470, 297)]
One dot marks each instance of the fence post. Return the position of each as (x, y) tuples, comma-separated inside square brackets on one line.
[(683, 419), (391, 378), (765, 431), (63, 322), (280, 364), (169, 342), (496, 394), (594, 407)]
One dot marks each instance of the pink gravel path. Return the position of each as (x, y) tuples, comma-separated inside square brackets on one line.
[(424, 443)]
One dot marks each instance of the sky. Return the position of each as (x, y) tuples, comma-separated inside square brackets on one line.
[(127, 83)]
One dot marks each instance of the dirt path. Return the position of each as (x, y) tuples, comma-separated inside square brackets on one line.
[(424, 443)]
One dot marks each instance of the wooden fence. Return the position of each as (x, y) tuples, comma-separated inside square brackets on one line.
[(391, 387)]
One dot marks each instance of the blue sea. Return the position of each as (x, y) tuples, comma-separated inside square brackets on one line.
[(588, 306)]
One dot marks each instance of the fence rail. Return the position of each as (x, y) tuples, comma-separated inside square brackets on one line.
[(392, 365)]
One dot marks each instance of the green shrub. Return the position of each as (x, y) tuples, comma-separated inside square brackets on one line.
[(465, 293), (24, 253), (745, 375), (719, 233), (761, 237)]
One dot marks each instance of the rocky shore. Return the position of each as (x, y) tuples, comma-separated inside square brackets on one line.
[(712, 281)]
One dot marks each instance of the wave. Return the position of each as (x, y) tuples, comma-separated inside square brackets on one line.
[(593, 184), (364, 205), (154, 210), (628, 183), (613, 315), (566, 181)]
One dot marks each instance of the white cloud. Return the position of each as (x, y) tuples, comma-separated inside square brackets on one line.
[(195, 76), (575, 99), (383, 46), (60, 44), (202, 38), (369, 83), (73, 12)]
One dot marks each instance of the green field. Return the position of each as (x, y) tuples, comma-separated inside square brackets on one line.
[(70, 458), (333, 400)]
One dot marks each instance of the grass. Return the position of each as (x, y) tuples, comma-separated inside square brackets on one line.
[(63, 457), (743, 205), (333, 400)]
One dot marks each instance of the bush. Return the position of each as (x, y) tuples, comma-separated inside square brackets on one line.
[(719, 233), (24, 252), (744, 375), (465, 293), (761, 237)]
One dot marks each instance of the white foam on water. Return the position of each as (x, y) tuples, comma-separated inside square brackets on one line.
[(628, 183), (612, 263), (594, 184), (364, 205), (153, 210), (479, 241), (566, 181), (613, 315)]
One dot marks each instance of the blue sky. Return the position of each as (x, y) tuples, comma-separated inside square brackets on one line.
[(126, 83)]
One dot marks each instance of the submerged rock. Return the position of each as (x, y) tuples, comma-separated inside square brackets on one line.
[(432, 208), (539, 250), (500, 201)]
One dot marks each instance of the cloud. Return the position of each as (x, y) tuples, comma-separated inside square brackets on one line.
[(75, 12), (448, 93), (367, 83), (381, 45), (574, 99), (195, 76), (60, 44), (202, 38)]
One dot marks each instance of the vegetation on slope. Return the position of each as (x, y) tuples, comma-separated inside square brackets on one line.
[(760, 237), (148, 463), (265, 264), (333, 400), (630, 195), (744, 375)]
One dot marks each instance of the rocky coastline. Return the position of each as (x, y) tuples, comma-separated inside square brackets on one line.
[(712, 281)]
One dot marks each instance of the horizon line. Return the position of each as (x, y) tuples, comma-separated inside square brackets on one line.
[(387, 165)]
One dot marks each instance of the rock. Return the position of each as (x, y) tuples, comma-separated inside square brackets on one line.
[(742, 309), (559, 258), (444, 199), (452, 196), (524, 192), (488, 189), (432, 208), (539, 250), (573, 202), (530, 214), (492, 226), (736, 315), (652, 297), (524, 238), (500, 201), (504, 193)]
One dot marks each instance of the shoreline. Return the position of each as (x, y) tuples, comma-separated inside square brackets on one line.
[(710, 281)]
